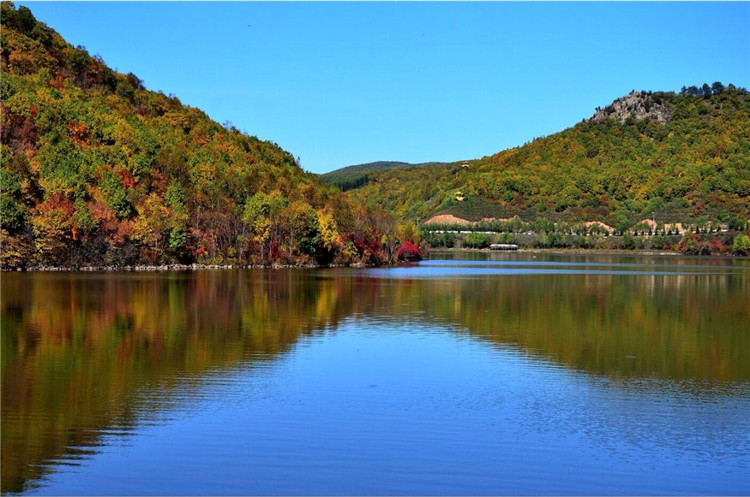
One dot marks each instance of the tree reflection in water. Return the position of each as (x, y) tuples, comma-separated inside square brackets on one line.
[(86, 356)]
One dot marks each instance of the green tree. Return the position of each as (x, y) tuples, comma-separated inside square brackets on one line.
[(301, 222), (741, 245), (628, 243), (477, 240), (117, 196)]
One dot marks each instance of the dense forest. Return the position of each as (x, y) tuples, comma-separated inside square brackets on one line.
[(98, 170), (661, 156)]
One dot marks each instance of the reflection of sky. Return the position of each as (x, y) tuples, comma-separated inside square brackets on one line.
[(448, 271), (376, 407), (656, 264), (458, 268), (610, 258)]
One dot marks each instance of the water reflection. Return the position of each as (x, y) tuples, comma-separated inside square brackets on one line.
[(80, 352), (86, 358)]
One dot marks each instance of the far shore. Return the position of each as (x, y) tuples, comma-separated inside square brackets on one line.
[(580, 251), (568, 251)]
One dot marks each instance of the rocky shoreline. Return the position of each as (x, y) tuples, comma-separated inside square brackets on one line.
[(169, 267), (202, 267)]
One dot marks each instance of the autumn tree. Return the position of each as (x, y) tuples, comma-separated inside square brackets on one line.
[(261, 214)]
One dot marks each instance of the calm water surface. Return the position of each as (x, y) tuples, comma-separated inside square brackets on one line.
[(506, 374)]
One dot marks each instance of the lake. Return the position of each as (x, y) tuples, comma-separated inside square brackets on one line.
[(502, 373)]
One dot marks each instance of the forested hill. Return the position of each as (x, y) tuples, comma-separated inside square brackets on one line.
[(349, 177), (675, 157), (97, 170)]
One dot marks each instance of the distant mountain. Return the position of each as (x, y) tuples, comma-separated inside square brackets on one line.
[(672, 157), (347, 178), (98, 170)]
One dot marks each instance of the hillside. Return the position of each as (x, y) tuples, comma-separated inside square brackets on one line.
[(98, 170), (350, 177), (673, 157)]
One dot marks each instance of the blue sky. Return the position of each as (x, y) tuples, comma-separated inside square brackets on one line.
[(344, 83)]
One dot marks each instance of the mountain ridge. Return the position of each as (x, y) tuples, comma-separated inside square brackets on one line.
[(349, 177), (678, 157)]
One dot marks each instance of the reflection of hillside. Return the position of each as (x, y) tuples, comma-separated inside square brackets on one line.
[(79, 349), (684, 327), (81, 353)]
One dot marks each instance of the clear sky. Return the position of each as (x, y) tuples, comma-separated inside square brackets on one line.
[(345, 83)]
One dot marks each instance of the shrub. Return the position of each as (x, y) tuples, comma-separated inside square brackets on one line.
[(628, 243), (741, 245), (477, 240), (449, 239), (407, 251)]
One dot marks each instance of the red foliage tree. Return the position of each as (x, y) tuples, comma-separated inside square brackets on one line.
[(407, 251)]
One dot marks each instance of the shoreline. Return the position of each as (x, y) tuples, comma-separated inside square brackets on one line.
[(580, 251), (138, 268), (572, 251)]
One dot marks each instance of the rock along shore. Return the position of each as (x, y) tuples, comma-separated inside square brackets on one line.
[(170, 267)]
